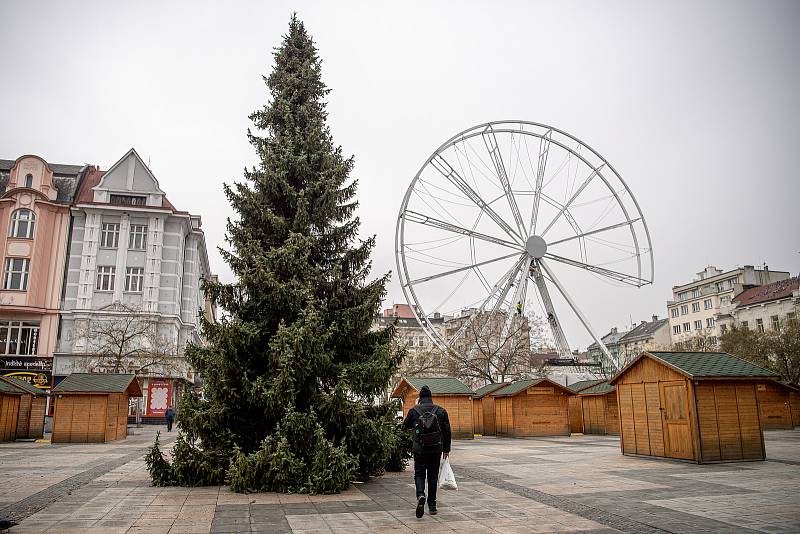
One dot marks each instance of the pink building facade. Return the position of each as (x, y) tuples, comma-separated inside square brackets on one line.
[(35, 200)]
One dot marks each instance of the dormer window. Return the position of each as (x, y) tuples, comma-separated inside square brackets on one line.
[(128, 200), (22, 223), (29, 181)]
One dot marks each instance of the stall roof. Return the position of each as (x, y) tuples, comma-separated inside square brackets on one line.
[(703, 365), (522, 385), (99, 383), (10, 389), (27, 387), (489, 388), (598, 389), (438, 386), (584, 384)]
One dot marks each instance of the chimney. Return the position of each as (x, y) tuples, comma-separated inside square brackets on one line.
[(614, 330), (655, 318)]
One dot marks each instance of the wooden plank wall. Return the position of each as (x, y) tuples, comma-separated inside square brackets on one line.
[(477, 415), (9, 415), (24, 416), (599, 412), (487, 403), (773, 405), (36, 425), (730, 428), (122, 417), (794, 403), (612, 414), (541, 414), (575, 414), (503, 416), (81, 419), (459, 411)]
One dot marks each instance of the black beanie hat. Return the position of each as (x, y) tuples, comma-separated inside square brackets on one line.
[(425, 392)]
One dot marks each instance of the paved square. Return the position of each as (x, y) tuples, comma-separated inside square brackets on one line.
[(577, 484)]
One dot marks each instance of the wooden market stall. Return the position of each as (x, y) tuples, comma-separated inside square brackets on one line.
[(10, 397), (536, 407), (483, 408), (449, 393), (774, 405), (599, 410), (32, 405), (92, 408), (698, 406), (576, 404), (794, 402)]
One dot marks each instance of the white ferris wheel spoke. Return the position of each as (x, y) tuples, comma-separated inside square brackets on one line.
[(441, 165), (586, 182), (620, 277), (493, 148), (592, 232), (544, 151), (459, 270), (426, 220), (579, 313)]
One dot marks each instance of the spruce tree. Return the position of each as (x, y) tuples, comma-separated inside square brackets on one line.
[(292, 368)]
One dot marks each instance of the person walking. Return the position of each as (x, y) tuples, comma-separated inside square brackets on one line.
[(431, 441), (170, 415)]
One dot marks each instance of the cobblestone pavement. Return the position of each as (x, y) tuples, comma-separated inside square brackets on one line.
[(577, 484)]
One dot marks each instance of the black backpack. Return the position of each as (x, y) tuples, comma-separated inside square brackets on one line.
[(426, 428)]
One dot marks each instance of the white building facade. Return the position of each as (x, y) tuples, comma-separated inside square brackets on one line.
[(132, 254), (762, 308), (694, 306)]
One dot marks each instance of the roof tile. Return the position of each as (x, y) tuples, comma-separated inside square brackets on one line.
[(441, 386), (94, 383), (712, 364)]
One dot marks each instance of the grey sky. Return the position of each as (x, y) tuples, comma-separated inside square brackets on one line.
[(694, 103)]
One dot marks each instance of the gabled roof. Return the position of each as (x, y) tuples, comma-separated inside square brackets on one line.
[(99, 383), (521, 385), (768, 292), (644, 330), (584, 384), (703, 365), (598, 389), (609, 339), (10, 389), (438, 386), (489, 388), (26, 387)]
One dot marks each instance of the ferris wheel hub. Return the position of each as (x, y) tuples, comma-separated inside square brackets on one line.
[(536, 247)]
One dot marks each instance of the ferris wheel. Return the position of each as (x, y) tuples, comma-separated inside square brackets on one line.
[(503, 216)]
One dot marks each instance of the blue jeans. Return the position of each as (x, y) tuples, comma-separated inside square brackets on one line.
[(427, 465)]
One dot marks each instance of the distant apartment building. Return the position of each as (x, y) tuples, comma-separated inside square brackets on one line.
[(422, 356), (399, 310), (35, 198), (647, 335), (136, 263), (694, 306), (611, 341), (762, 308)]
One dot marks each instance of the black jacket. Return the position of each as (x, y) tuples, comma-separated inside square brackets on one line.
[(444, 425)]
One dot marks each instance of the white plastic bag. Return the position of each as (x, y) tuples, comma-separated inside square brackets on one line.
[(447, 479)]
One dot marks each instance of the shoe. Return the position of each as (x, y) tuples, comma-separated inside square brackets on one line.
[(420, 506), (432, 509)]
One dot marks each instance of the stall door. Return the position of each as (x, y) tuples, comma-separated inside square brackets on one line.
[(9, 410), (675, 410)]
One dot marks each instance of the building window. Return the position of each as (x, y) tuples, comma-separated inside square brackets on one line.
[(708, 304), (698, 325), (731, 283), (19, 338), (105, 278), (134, 279), (695, 306), (674, 312), (776, 323), (109, 235), (713, 340), (710, 322), (745, 325), (684, 309), (421, 341), (687, 327), (791, 318), (676, 329), (695, 293), (683, 296), (22, 223), (723, 328), (128, 200), (720, 286), (16, 273), (760, 325), (138, 237), (29, 181)]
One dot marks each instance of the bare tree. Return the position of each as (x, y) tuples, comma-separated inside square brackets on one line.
[(126, 340), (701, 342)]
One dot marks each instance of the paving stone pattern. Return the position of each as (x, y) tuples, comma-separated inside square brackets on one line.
[(580, 484)]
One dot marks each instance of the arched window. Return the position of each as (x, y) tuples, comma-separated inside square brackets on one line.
[(28, 180), (22, 223)]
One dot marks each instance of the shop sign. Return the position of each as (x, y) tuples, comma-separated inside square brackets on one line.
[(158, 397), (40, 379)]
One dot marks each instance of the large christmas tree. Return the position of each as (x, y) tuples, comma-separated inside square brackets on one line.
[(292, 369)]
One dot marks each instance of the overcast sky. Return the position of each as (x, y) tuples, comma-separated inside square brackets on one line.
[(695, 104)]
